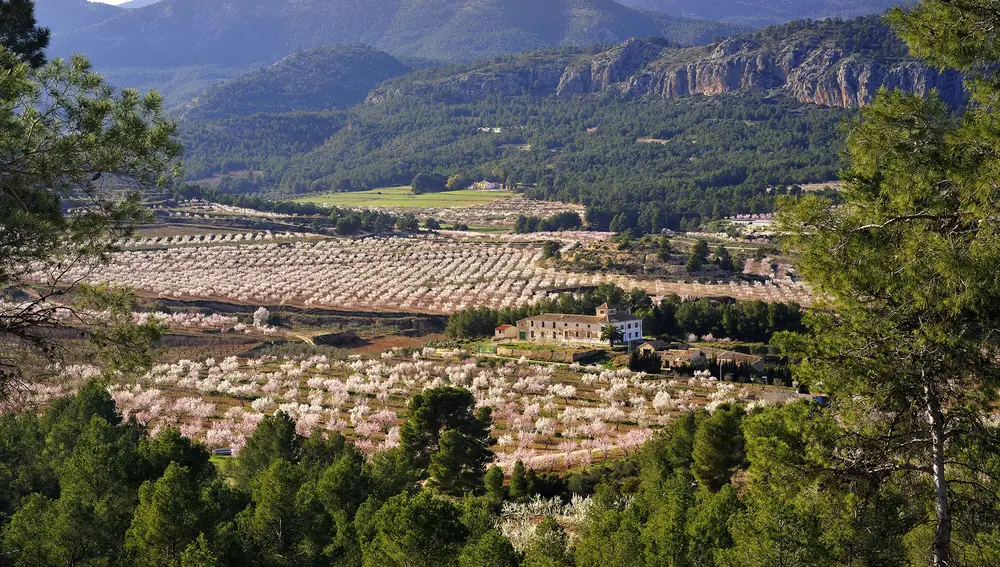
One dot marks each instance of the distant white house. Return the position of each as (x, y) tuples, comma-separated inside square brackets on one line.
[(486, 186), (562, 328)]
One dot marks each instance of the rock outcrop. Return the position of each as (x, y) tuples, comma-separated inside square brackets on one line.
[(807, 66), (830, 76)]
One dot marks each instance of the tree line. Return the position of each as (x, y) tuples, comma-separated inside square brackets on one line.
[(749, 321)]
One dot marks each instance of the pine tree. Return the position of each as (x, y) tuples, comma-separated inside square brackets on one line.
[(167, 519), (519, 488)]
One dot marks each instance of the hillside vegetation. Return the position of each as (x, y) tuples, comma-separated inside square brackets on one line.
[(324, 78)]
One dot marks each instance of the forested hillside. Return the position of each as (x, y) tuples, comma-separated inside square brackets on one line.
[(323, 78), (763, 12), (186, 32), (654, 162), (591, 126)]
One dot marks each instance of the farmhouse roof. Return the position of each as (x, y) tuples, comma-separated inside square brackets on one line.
[(656, 344), (583, 319), (504, 327), (566, 318), (736, 357), (681, 355)]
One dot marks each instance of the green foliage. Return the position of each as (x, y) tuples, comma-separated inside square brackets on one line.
[(698, 256), (198, 554), (63, 131), (457, 466), (549, 547), (895, 262), (20, 34), (271, 521), (520, 488), (481, 321), (613, 334), (167, 519), (428, 183), (444, 434), (415, 531), (648, 362), (609, 172), (752, 321), (611, 536), (273, 439), (724, 259), (493, 481), (457, 182), (170, 447), (318, 79), (718, 447), (551, 249), (407, 223), (492, 549), (665, 249), (545, 146), (567, 220)]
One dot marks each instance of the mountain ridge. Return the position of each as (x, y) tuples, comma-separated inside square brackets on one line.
[(762, 12), (832, 63), (231, 32), (317, 79), (66, 15)]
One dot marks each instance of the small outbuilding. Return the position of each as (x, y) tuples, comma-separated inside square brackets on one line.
[(505, 332), (655, 345)]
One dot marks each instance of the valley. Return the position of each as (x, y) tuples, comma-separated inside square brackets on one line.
[(467, 283)]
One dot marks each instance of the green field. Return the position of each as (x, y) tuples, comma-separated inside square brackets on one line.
[(401, 197)]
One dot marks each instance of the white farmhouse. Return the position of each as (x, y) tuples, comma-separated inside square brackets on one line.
[(561, 328)]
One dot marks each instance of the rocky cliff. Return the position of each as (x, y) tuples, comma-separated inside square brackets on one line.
[(839, 64)]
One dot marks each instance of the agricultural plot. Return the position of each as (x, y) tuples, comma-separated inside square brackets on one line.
[(402, 197), (545, 415), (474, 208), (422, 274)]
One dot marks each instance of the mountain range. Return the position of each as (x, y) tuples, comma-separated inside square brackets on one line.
[(760, 109), (763, 12), (239, 32), (832, 63), (133, 4), (67, 15)]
